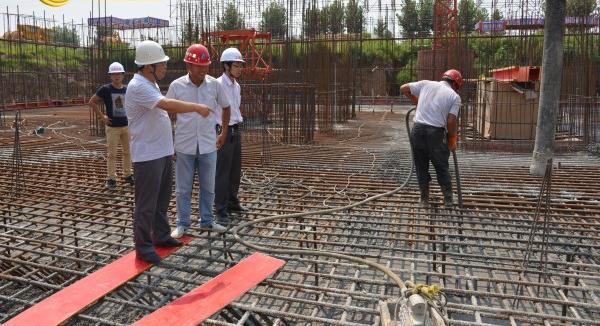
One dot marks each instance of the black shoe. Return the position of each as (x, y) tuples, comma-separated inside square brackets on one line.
[(448, 203), (223, 219), (129, 179), (151, 257), (111, 184), (170, 243), (448, 200), (236, 209)]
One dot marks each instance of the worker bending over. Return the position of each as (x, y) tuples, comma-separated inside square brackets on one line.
[(433, 135)]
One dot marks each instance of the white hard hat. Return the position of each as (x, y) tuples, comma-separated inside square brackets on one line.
[(115, 68), (149, 52), (231, 54)]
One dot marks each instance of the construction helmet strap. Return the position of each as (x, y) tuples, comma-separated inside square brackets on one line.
[(154, 72)]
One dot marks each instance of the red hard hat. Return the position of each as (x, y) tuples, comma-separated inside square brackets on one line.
[(455, 76), (197, 54)]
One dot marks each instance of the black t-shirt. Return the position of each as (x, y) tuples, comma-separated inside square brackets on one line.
[(114, 101)]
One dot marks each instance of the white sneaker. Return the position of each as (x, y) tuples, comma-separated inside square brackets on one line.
[(178, 232), (214, 227)]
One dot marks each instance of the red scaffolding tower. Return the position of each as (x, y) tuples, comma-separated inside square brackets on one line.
[(254, 46)]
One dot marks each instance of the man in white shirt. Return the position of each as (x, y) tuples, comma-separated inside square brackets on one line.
[(152, 149), (229, 157), (196, 140), (434, 133)]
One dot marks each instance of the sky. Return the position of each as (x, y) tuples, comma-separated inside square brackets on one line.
[(78, 9)]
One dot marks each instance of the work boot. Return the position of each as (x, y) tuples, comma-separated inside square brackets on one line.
[(424, 200), (151, 257), (448, 202), (236, 208), (111, 184), (171, 242), (129, 179), (223, 219)]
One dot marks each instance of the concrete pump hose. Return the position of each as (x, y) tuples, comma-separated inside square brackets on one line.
[(387, 271)]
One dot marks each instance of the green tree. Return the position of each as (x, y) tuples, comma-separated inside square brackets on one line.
[(312, 21), (102, 33), (274, 20), (408, 18), (469, 14), (232, 19), (580, 8), (354, 17), (66, 35), (425, 17), (324, 20), (381, 30), (497, 15), (334, 14)]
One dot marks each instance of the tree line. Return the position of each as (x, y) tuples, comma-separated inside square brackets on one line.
[(414, 19)]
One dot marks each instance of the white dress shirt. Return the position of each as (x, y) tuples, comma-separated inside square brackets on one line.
[(150, 133), (193, 131), (234, 92)]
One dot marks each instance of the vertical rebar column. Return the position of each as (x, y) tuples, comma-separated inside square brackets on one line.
[(552, 61), (17, 160), (263, 111), (2, 115)]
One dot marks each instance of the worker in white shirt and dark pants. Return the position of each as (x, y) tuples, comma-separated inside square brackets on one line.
[(229, 157), (152, 149), (434, 134)]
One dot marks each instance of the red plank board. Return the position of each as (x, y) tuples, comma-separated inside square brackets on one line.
[(62, 305), (212, 296)]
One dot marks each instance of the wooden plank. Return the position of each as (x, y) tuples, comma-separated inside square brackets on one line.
[(212, 296), (62, 305)]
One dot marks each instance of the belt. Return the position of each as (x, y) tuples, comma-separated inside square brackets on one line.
[(423, 125), (234, 127)]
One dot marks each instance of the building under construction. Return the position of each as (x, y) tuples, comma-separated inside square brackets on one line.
[(328, 178)]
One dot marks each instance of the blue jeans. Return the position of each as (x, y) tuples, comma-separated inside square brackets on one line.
[(185, 167)]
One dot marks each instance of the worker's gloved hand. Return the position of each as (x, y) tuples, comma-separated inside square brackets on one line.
[(452, 141)]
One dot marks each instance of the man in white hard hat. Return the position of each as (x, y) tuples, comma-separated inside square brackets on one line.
[(152, 149), (196, 141), (112, 95), (229, 156)]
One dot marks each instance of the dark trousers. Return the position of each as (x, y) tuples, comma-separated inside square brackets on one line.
[(229, 172), (429, 144), (153, 188)]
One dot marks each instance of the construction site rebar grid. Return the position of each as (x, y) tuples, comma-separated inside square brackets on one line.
[(65, 225)]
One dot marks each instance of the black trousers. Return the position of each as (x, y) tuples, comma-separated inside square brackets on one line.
[(429, 144), (153, 188), (229, 172)]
